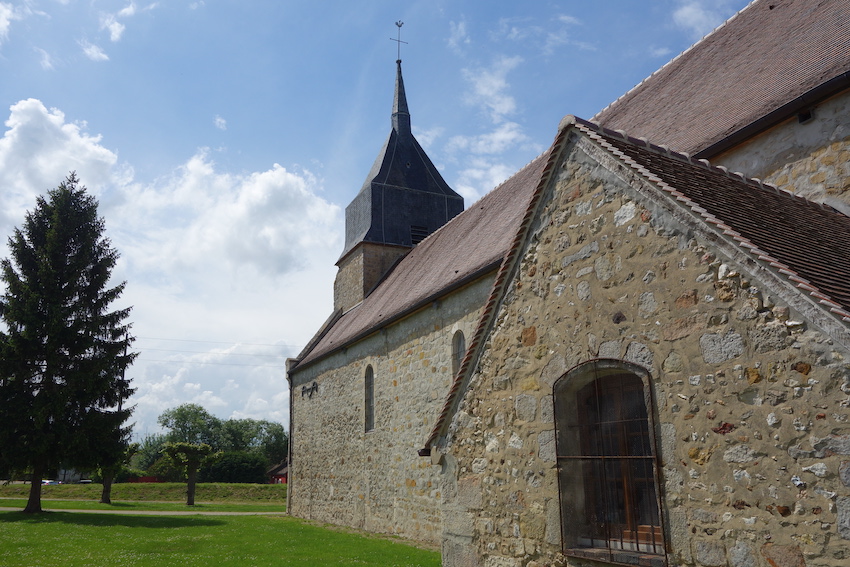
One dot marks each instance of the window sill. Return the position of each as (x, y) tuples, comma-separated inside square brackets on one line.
[(618, 556)]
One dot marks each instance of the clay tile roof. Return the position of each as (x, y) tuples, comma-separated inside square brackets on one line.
[(768, 55), (806, 242), (472, 243)]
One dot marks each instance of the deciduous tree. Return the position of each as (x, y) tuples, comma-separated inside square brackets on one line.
[(190, 456), (63, 352), (190, 423)]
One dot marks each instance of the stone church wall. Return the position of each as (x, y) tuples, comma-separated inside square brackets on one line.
[(751, 400), (375, 480), (811, 159), (360, 270)]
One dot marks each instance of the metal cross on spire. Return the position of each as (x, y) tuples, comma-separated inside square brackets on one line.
[(398, 40)]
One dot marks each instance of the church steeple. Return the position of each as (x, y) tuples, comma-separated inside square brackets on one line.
[(401, 115), (403, 200)]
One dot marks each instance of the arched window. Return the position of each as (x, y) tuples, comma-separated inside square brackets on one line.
[(458, 351), (369, 395), (607, 466)]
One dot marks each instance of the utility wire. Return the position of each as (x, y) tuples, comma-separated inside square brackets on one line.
[(208, 363), (145, 349), (214, 342)]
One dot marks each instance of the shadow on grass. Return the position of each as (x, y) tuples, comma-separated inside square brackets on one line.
[(106, 520)]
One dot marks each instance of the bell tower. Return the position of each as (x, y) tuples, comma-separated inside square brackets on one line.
[(402, 201)]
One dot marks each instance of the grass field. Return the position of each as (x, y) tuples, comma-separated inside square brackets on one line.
[(127, 506), (67, 539), (160, 491)]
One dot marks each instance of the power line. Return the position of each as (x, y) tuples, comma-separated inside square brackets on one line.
[(209, 363), (216, 342), (209, 352)]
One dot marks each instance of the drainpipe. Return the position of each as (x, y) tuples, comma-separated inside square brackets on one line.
[(290, 362)]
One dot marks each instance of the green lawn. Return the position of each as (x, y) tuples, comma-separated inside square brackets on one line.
[(143, 506), (67, 539), (70, 539), (161, 491)]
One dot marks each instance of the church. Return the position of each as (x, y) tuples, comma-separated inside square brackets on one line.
[(634, 351)]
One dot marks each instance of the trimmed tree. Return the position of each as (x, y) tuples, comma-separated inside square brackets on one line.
[(112, 464), (63, 353), (190, 457)]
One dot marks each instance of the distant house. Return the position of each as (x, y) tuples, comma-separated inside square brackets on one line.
[(624, 354), (278, 473)]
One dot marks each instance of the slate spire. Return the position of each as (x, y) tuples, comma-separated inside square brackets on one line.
[(401, 114), (404, 197), (402, 201)]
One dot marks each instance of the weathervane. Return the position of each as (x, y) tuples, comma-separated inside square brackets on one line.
[(398, 41)]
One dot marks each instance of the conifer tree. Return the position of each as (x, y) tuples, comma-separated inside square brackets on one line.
[(63, 352)]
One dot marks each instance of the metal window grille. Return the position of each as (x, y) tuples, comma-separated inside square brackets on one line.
[(610, 505)]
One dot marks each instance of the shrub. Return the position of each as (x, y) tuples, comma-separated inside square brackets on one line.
[(236, 466), (165, 471)]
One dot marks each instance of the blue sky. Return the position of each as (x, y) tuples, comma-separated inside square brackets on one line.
[(225, 138)]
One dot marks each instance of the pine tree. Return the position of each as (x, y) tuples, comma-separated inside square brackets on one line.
[(63, 354)]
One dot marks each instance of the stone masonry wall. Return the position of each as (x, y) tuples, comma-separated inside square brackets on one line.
[(375, 480), (361, 270), (751, 400), (810, 159)]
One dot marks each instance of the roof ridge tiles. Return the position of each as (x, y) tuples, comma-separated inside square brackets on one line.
[(702, 40), (701, 162)]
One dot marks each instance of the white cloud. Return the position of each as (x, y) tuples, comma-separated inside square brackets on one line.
[(116, 28), (46, 61), (660, 51), (458, 35), (481, 155), (483, 166), (93, 52), (506, 136), (7, 14), (220, 122), (130, 10), (480, 176), (202, 219), (429, 136), (545, 37), (700, 17), (39, 149), (569, 20), (490, 86), (516, 29), (247, 259)]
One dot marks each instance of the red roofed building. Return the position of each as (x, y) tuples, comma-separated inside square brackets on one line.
[(625, 353)]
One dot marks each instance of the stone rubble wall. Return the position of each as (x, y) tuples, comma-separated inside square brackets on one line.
[(375, 480), (751, 400), (810, 159), (361, 270)]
